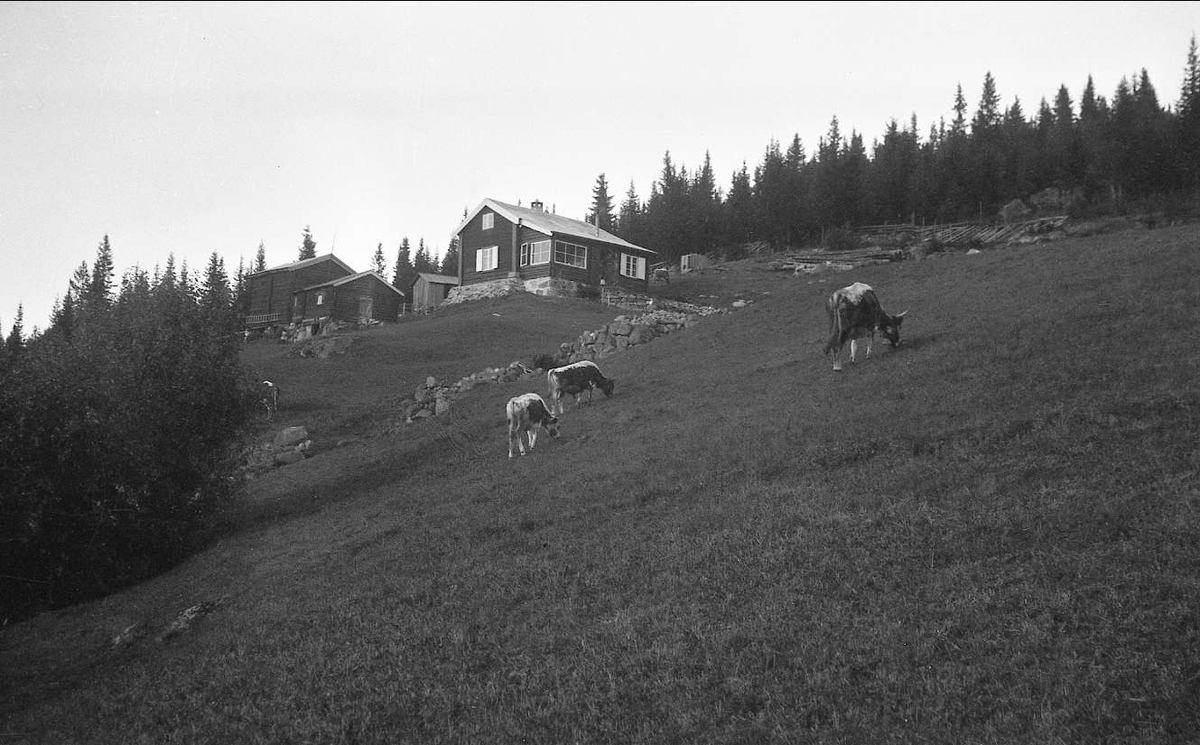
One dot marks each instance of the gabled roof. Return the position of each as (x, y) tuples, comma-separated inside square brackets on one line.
[(544, 222), (438, 279), (346, 280), (306, 262)]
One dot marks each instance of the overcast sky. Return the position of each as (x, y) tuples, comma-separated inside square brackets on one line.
[(189, 128)]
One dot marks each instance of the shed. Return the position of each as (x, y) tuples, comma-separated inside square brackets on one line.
[(692, 262), (365, 296), (431, 289)]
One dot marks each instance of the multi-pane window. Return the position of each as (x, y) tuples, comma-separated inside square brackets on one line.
[(570, 254), (633, 266), (485, 258), (535, 253), (489, 220)]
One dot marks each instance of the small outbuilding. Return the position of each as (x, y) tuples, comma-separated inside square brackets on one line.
[(361, 298), (431, 289)]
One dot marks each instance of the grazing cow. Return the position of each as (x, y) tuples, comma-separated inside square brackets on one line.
[(527, 414), (574, 379), (270, 396), (854, 313)]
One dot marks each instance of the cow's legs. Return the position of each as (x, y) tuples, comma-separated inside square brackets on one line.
[(837, 359), (532, 435), (853, 351), (870, 341)]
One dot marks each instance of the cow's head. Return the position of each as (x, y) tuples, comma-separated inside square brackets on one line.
[(607, 386), (550, 424), (891, 329)]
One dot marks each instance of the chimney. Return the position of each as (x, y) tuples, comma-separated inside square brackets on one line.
[(536, 205)]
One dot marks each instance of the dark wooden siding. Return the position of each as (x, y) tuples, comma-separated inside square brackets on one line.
[(385, 302), (343, 302), (426, 293), (474, 237), (271, 293)]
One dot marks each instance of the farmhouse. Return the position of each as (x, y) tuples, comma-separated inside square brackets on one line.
[(312, 292), (431, 289), (549, 253)]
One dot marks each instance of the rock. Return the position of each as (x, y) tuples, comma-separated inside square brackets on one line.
[(289, 457), (289, 436), (642, 333), (441, 405)]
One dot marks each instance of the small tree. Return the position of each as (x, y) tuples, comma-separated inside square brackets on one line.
[(378, 263), (260, 258), (16, 337), (308, 247), (405, 274), (423, 261), (450, 260)]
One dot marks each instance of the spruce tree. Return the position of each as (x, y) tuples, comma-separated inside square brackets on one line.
[(308, 247), (1188, 113), (15, 343), (602, 207), (450, 260), (378, 263), (423, 263), (100, 288), (214, 291), (629, 222), (405, 274), (739, 208), (260, 258)]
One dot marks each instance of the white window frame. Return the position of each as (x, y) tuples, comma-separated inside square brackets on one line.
[(321, 297), (489, 220), (486, 258), (537, 252), (561, 254), (633, 266)]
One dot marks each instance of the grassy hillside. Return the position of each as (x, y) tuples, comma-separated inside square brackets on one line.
[(988, 535)]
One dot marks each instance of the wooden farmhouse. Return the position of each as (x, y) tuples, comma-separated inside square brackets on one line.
[(431, 289), (501, 241), (312, 292)]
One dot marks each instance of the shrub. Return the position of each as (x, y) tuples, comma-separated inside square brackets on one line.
[(121, 443)]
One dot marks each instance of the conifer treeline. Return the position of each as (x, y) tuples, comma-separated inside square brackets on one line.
[(1096, 155)]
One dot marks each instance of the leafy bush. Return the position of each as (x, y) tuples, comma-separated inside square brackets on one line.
[(121, 439)]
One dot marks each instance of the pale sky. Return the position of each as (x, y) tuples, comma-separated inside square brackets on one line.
[(191, 127)]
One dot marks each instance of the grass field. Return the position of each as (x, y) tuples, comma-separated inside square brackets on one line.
[(989, 535)]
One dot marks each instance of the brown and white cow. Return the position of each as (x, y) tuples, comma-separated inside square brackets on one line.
[(527, 415), (573, 380), (855, 313)]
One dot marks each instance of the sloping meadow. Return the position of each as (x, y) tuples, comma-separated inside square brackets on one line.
[(987, 535)]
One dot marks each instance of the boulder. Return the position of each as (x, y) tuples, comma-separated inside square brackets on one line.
[(290, 436), (289, 457)]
